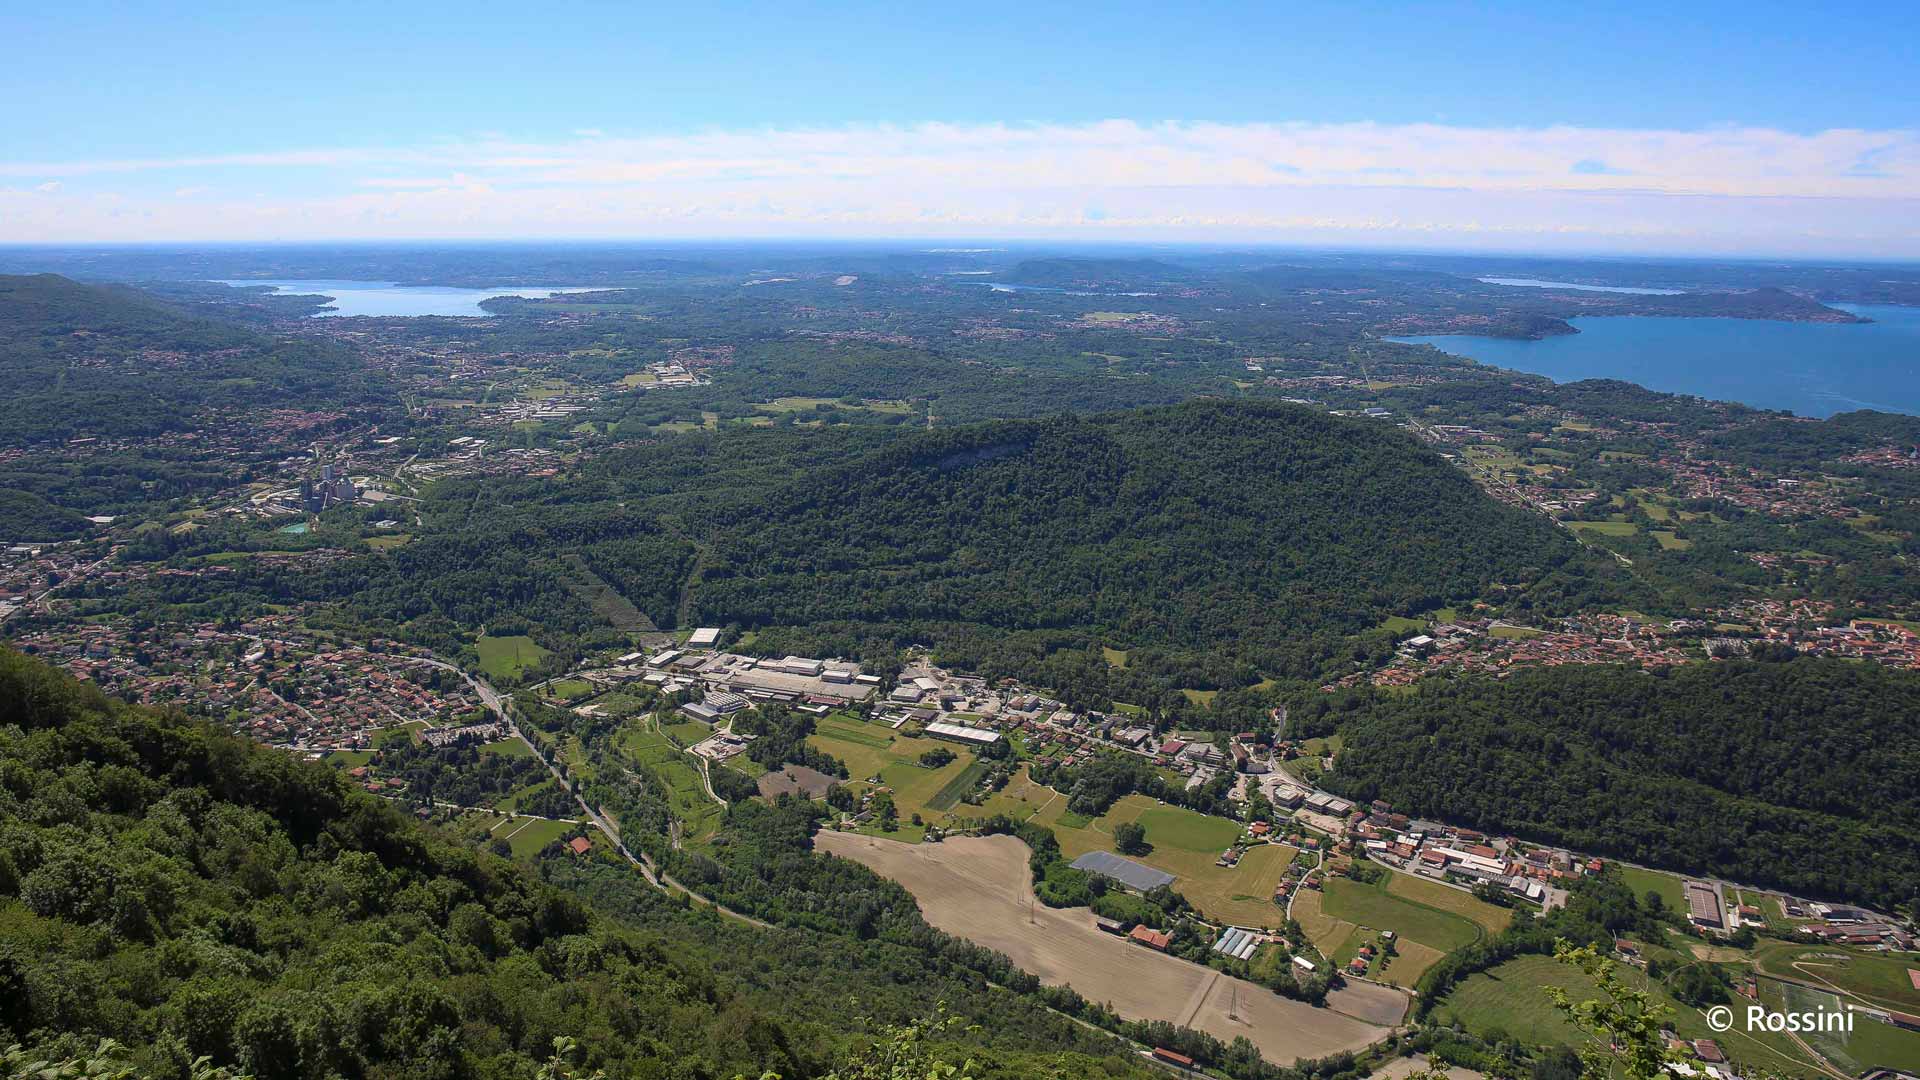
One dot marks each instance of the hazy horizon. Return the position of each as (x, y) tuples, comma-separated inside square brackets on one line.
[(1634, 131)]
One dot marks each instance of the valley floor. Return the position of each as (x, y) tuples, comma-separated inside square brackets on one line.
[(980, 888)]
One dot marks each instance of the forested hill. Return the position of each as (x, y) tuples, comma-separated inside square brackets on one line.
[(1803, 774), (1262, 531), (187, 893), (108, 360), (54, 316)]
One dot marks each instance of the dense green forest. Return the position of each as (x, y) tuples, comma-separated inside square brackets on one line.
[(26, 516), (189, 894), (1225, 541), (1802, 774), (1263, 532)]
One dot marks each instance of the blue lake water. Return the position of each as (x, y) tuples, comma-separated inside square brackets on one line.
[(1536, 283), (1813, 369), (389, 298), (1004, 286)]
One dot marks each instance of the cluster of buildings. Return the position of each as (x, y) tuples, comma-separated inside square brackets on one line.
[(333, 488), (1495, 648), (728, 682), (1490, 647), (1694, 475), (266, 679), (1844, 925), (29, 571)]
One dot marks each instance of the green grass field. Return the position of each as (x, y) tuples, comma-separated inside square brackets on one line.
[(507, 657), (1435, 895), (515, 798), (1671, 889), (746, 766), (529, 835), (848, 729), (1605, 528), (957, 786), (1876, 980), (1185, 844), (1400, 625), (688, 733), (1870, 1045), (1020, 799), (686, 794), (915, 786), (1178, 827), (1373, 906), (872, 751), (1508, 999), (570, 689), (510, 748)]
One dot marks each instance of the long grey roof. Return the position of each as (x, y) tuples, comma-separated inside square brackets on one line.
[(1125, 871)]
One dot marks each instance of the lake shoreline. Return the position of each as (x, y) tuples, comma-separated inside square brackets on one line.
[(1812, 368)]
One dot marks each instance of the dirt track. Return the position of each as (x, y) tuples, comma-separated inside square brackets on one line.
[(979, 888)]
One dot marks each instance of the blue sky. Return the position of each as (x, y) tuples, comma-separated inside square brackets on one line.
[(1748, 128)]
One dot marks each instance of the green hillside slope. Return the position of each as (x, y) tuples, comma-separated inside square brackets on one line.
[(1259, 530), (1803, 774), (189, 894)]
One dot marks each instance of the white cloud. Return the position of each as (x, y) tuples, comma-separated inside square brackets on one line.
[(1731, 189)]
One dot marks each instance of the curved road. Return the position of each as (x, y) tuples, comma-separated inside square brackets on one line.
[(494, 703)]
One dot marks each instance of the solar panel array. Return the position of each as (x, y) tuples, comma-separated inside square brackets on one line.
[(1125, 871)]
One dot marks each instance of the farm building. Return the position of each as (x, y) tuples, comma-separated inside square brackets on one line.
[(1174, 1058), (1151, 938), (1237, 942), (1703, 905), (961, 733), (1128, 873)]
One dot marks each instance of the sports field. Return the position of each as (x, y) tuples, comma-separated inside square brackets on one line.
[(979, 888)]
